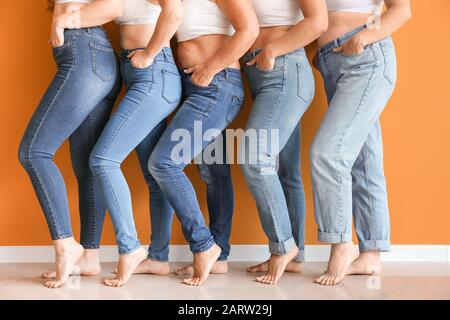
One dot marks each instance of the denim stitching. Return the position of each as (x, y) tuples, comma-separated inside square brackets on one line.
[(92, 183)]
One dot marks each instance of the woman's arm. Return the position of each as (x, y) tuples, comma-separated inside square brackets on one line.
[(168, 22), (314, 24), (92, 15), (243, 18), (396, 15)]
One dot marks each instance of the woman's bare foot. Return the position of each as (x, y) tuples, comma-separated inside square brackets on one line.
[(126, 266), (368, 263), (219, 267), (89, 265), (149, 266), (293, 266), (277, 266), (342, 256), (68, 253), (203, 263)]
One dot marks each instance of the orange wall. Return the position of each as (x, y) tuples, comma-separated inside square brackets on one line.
[(416, 127)]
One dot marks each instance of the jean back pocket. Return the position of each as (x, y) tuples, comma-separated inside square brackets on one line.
[(171, 92), (390, 64), (305, 84), (103, 61), (234, 109)]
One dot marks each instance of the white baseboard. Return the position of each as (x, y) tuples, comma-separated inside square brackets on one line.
[(314, 253)]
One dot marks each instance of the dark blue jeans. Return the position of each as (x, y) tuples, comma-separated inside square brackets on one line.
[(220, 199), (204, 110), (76, 106)]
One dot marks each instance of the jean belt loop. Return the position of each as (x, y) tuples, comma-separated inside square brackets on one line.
[(88, 30), (165, 54)]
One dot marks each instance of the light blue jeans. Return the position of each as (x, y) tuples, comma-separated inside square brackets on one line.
[(347, 152), (152, 94), (281, 97)]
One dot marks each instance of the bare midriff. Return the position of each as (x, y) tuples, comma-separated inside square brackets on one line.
[(268, 35), (134, 36), (200, 50), (64, 7), (340, 23)]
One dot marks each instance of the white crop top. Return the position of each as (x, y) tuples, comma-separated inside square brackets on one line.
[(79, 1), (139, 12), (278, 13), (202, 17), (361, 6)]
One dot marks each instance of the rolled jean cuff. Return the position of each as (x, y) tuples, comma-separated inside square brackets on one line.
[(155, 257), (90, 246), (126, 251), (281, 248), (300, 256), (62, 236), (375, 245), (334, 237), (204, 247)]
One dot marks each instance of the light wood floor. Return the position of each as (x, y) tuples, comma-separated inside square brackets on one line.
[(399, 281)]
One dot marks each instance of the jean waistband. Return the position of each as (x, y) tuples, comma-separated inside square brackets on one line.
[(252, 54), (164, 55), (340, 41), (225, 73), (99, 31)]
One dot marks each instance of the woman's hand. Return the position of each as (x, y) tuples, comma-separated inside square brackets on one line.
[(264, 61), (202, 74), (353, 47), (140, 59), (56, 36), (69, 20)]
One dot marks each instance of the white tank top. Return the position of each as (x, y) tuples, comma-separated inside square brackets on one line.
[(278, 12), (202, 17), (139, 12), (79, 1), (360, 6)]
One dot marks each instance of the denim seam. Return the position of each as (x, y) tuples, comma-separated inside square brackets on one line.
[(221, 205), (266, 189), (122, 252), (62, 236), (385, 58), (185, 193), (50, 105), (93, 199), (159, 233), (155, 258), (339, 151), (367, 181)]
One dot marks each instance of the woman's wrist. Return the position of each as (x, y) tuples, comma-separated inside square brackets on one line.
[(270, 51), (361, 39), (69, 20)]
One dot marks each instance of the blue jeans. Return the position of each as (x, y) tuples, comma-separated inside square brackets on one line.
[(281, 96), (152, 94), (220, 199), (76, 106), (347, 152), (204, 110)]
